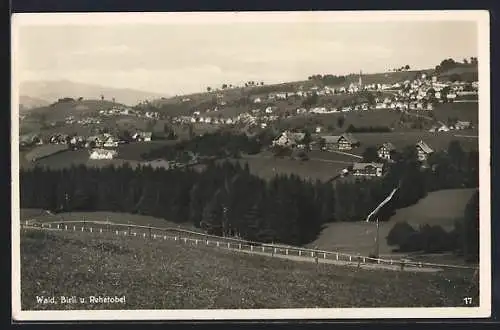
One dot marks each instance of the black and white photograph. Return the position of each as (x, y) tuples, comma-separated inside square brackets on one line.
[(250, 165)]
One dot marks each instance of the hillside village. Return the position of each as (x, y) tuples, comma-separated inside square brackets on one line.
[(417, 99)]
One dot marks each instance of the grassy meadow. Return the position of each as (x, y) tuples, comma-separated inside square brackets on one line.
[(437, 208), (157, 274)]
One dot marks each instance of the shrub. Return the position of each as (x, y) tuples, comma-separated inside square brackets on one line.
[(403, 235), (435, 239)]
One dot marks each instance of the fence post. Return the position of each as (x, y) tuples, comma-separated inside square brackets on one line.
[(82, 228), (74, 228), (300, 253), (217, 243), (350, 258), (263, 249), (57, 226), (65, 227), (324, 255), (129, 230), (239, 246), (90, 229), (144, 235), (154, 236), (185, 240), (312, 253), (196, 242), (149, 232), (286, 251), (117, 232), (337, 256), (316, 258), (251, 247), (100, 230)]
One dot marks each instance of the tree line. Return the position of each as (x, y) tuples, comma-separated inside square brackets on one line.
[(224, 199)]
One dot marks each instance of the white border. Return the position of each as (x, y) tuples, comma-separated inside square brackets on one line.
[(479, 16)]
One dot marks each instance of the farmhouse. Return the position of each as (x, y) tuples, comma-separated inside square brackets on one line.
[(142, 136), (367, 169), (385, 150), (102, 154), (347, 142), (423, 150), (289, 139), (110, 141), (329, 142)]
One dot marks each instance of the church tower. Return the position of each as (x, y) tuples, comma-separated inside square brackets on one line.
[(360, 82)]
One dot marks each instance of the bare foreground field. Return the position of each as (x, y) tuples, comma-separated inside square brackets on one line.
[(157, 274)]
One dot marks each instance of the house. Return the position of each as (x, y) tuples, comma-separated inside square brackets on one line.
[(423, 150), (463, 124), (443, 128), (385, 151), (289, 139), (102, 154), (318, 129), (368, 169), (347, 142), (330, 142), (110, 141)]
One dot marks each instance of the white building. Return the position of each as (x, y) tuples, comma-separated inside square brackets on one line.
[(102, 154)]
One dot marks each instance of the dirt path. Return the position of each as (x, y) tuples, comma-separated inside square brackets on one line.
[(361, 265)]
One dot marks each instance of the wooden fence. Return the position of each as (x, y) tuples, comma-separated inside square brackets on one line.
[(199, 239)]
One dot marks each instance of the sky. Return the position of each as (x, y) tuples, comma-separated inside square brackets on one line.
[(176, 58)]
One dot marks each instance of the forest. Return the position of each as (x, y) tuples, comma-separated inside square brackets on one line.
[(226, 199)]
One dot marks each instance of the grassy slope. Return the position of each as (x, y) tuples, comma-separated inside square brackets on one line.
[(437, 141), (438, 208), (462, 111), (121, 218), (268, 167), (169, 275), (78, 108)]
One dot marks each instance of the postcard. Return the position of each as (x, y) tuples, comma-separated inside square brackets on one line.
[(251, 165)]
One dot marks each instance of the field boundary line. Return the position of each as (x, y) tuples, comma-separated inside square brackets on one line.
[(313, 253)]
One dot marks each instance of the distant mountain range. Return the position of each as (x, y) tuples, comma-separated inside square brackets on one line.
[(46, 92)]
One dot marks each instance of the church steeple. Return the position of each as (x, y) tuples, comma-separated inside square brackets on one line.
[(360, 82)]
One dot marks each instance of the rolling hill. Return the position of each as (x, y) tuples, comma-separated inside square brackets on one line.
[(27, 103), (60, 110), (53, 90), (437, 208)]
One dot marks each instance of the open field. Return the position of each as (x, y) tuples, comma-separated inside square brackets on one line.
[(375, 117), (437, 208), (168, 275), (77, 109), (133, 151), (113, 217), (79, 157), (467, 111), (46, 150), (437, 141), (314, 169)]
